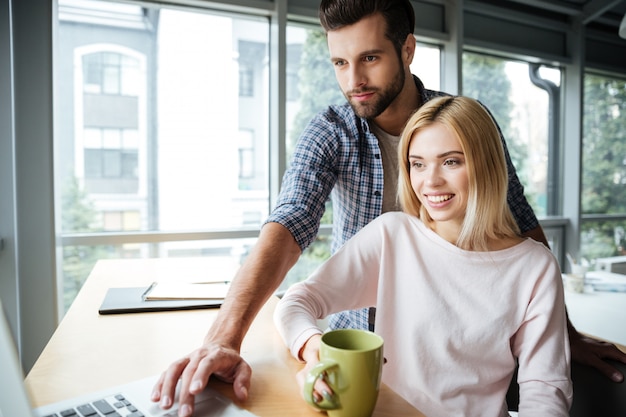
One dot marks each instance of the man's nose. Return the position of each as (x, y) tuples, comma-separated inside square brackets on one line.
[(357, 78)]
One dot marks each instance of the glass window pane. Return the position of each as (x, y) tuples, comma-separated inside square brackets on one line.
[(522, 111), (150, 141), (92, 73), (427, 65), (131, 220), (130, 139), (112, 164), (129, 164), (92, 138), (111, 80), (111, 139), (93, 163), (312, 75), (604, 145), (602, 239), (603, 166), (112, 220), (131, 76), (184, 125)]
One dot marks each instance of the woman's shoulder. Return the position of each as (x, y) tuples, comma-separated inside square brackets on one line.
[(536, 253)]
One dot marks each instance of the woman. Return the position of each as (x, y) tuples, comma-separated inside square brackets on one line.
[(460, 297)]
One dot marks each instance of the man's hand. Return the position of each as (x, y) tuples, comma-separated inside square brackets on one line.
[(195, 370), (275, 252), (592, 352)]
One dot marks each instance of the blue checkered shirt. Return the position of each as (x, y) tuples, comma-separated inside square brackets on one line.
[(337, 155)]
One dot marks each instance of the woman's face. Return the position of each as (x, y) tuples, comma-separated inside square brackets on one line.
[(438, 174)]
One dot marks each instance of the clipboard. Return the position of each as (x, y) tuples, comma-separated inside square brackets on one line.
[(131, 300)]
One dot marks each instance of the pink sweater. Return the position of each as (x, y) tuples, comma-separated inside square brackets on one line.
[(453, 321)]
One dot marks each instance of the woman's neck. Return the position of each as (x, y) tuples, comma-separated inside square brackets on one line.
[(450, 232)]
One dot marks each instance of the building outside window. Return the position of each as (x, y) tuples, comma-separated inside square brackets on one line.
[(152, 103)]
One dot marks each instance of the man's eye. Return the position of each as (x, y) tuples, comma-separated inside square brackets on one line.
[(370, 58)]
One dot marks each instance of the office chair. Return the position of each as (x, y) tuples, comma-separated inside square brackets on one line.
[(594, 394)]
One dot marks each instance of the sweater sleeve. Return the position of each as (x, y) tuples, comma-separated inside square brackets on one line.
[(353, 270), (542, 347)]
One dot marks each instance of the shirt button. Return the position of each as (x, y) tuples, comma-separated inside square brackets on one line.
[(377, 156), (377, 193)]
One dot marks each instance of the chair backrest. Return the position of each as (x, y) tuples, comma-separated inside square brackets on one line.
[(595, 395)]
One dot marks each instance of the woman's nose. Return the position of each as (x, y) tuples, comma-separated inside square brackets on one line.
[(433, 177)]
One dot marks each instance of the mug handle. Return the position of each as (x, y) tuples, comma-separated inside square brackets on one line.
[(314, 374)]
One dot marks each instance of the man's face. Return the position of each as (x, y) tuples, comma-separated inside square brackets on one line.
[(367, 67)]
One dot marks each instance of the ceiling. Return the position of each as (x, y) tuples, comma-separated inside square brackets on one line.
[(602, 15)]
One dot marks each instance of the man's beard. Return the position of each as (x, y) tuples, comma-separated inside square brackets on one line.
[(387, 96)]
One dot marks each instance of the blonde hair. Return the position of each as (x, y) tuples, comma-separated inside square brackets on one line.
[(487, 215)]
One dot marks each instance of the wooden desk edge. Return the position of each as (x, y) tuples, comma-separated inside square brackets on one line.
[(273, 390)]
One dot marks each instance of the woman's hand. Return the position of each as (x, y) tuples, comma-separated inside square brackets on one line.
[(310, 355)]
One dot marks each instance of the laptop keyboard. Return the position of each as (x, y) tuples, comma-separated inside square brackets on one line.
[(115, 406)]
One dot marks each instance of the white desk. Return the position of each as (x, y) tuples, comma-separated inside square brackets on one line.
[(600, 314)]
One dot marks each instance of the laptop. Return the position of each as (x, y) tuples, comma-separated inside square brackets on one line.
[(127, 400)]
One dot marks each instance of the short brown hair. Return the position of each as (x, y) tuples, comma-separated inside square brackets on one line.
[(398, 14)]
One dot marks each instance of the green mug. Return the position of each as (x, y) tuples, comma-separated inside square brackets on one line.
[(351, 363)]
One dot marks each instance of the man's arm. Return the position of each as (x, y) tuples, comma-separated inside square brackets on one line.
[(586, 350), (538, 235), (273, 255)]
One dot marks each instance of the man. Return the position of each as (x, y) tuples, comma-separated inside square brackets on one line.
[(348, 150)]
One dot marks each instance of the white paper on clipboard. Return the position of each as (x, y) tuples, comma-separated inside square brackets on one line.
[(187, 291)]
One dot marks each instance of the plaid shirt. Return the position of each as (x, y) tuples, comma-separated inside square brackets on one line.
[(338, 156)]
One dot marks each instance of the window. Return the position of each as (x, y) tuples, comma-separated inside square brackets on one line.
[(246, 156), (164, 129), (110, 73), (427, 65), (603, 196), (121, 220), (246, 80), (110, 153), (252, 57), (522, 109)]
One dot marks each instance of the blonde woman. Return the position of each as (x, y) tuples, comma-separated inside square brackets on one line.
[(460, 297)]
